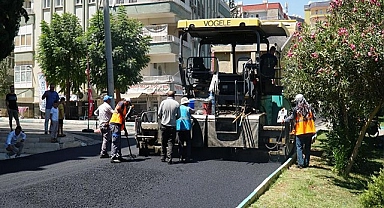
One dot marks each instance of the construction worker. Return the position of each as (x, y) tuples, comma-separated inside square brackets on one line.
[(116, 125), (169, 112), (304, 129)]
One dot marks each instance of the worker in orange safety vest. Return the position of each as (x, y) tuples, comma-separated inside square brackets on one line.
[(116, 125), (304, 129)]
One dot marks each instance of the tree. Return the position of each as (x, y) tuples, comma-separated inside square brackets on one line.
[(62, 51), (11, 12), (129, 51), (340, 63), (5, 79)]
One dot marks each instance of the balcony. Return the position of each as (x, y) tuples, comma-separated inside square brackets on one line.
[(161, 79), (156, 9), (182, 3), (166, 44)]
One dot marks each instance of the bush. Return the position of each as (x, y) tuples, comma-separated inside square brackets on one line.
[(374, 196)]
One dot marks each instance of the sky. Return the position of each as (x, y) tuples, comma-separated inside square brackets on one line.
[(294, 6)]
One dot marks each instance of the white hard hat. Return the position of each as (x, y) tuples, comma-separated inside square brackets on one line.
[(299, 97), (184, 100)]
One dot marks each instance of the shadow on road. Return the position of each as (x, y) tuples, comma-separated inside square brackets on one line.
[(36, 162)]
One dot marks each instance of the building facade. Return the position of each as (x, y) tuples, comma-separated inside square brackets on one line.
[(263, 11), (159, 18), (316, 11)]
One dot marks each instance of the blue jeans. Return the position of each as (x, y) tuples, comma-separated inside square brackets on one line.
[(303, 145)]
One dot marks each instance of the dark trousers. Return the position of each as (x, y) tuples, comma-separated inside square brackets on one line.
[(303, 148), (168, 136), (185, 136)]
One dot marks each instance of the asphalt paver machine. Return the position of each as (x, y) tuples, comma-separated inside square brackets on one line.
[(237, 102)]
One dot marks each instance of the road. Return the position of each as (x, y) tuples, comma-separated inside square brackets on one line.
[(77, 177)]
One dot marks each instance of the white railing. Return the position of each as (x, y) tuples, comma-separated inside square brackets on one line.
[(168, 39), (161, 79)]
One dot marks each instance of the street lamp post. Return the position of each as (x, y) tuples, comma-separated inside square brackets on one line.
[(108, 52)]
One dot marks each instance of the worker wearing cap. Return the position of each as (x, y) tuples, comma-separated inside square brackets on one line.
[(104, 112), (183, 128), (304, 129), (116, 125), (168, 113)]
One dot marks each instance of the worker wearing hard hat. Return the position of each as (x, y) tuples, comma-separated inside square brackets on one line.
[(304, 129)]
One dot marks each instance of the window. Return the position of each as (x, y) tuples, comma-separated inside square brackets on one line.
[(59, 3), (79, 2), (47, 4), (23, 74), (23, 41), (91, 1)]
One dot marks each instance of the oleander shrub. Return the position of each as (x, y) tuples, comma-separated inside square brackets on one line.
[(374, 195)]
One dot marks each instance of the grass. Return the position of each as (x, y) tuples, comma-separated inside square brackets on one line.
[(318, 185)]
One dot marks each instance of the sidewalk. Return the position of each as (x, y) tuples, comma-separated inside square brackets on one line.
[(38, 142)]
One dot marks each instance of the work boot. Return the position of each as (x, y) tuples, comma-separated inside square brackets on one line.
[(170, 162)]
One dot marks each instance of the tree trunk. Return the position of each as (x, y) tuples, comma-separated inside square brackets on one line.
[(67, 97), (118, 96), (355, 151)]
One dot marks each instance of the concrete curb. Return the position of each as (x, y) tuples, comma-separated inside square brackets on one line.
[(263, 187), (76, 122)]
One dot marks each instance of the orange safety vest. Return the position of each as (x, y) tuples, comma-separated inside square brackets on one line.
[(118, 118), (305, 125)]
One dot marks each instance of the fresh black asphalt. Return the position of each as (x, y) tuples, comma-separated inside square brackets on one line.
[(77, 177)]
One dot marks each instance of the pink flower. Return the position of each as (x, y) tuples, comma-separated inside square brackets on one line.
[(353, 47), (342, 32), (314, 55), (369, 53), (313, 35), (290, 54), (376, 59), (354, 9), (300, 38)]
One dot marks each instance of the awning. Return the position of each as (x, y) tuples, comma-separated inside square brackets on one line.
[(131, 95)]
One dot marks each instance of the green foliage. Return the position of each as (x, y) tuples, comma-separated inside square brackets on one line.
[(11, 12), (339, 64), (62, 51), (5, 79), (374, 196), (129, 50)]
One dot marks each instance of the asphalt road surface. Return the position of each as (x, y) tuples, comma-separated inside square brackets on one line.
[(77, 177)]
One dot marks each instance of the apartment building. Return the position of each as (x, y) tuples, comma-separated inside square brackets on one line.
[(263, 11), (160, 22), (316, 11)]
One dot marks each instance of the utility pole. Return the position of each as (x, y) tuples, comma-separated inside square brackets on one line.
[(108, 52)]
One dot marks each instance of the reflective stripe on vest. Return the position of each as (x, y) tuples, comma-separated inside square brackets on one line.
[(304, 125)]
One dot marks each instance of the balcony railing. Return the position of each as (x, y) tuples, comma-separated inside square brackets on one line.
[(168, 39), (126, 2), (161, 79)]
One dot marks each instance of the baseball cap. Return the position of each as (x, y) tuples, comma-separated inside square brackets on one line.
[(107, 97)]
